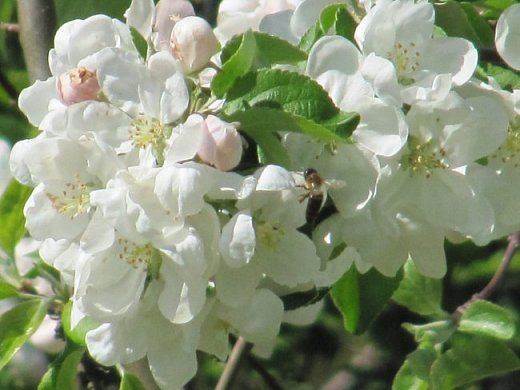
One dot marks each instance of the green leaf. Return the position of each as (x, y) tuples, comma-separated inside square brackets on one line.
[(343, 124), (344, 24), (486, 318), (507, 78), (237, 65), (64, 370), (361, 297), (17, 325), (68, 10), (271, 150), (139, 42), (331, 16), (495, 7), (310, 37), (463, 22), (436, 332), (482, 29), (7, 290), (274, 50), (131, 382), (472, 358), (414, 374), (419, 293), (261, 119), (288, 91), (11, 214), (77, 335)]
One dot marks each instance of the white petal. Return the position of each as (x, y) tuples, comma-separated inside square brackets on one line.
[(456, 56), (507, 36), (274, 178), (290, 260), (333, 53), (382, 75), (230, 280), (238, 241), (184, 141), (258, 321), (34, 101), (139, 16), (382, 128)]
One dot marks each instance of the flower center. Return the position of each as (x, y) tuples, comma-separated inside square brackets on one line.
[(145, 131), (135, 255), (269, 234), (509, 151), (74, 200), (422, 159), (406, 61)]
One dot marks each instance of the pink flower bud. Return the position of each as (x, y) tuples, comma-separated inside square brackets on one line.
[(167, 13), (193, 43), (78, 85), (221, 144)]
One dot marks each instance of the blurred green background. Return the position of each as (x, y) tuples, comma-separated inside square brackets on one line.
[(321, 356)]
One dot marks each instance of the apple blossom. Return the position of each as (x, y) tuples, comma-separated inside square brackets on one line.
[(402, 60), (221, 145), (193, 43), (76, 45)]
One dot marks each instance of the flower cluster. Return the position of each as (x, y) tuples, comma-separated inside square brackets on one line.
[(435, 153), (171, 241)]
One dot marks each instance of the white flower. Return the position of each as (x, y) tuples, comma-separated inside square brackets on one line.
[(335, 63), (250, 14), (170, 348), (507, 36), (193, 43), (65, 173), (403, 61), (76, 46), (262, 241)]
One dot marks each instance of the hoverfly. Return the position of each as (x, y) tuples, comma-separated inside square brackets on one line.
[(316, 190)]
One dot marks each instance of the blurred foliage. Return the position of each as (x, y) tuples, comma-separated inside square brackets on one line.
[(303, 357)]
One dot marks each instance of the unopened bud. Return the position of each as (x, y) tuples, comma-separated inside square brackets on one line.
[(78, 85), (193, 43), (221, 144), (167, 13)]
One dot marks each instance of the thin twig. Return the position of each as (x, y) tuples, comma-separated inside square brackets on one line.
[(489, 289), (11, 27), (233, 364)]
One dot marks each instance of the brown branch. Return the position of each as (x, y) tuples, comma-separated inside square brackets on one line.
[(37, 19), (240, 348), (498, 277), (11, 27)]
